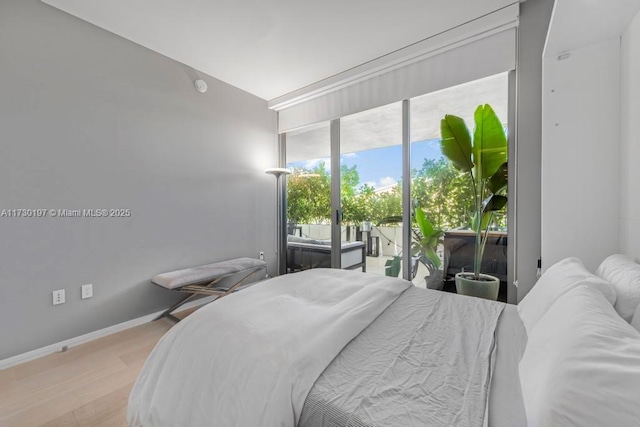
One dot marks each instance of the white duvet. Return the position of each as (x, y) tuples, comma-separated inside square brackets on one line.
[(251, 358)]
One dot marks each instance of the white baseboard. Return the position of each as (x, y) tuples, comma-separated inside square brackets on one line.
[(73, 342)]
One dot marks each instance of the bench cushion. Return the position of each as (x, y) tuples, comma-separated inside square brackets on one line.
[(191, 276)]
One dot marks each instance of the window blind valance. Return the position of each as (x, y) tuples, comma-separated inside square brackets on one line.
[(478, 49)]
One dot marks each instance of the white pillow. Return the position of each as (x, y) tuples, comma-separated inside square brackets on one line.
[(635, 322), (624, 274), (581, 365), (558, 279)]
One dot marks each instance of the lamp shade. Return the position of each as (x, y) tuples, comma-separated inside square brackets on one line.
[(277, 171)]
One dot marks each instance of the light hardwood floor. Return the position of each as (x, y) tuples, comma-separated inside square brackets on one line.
[(87, 385)]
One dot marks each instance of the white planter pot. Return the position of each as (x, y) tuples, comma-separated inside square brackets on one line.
[(487, 287)]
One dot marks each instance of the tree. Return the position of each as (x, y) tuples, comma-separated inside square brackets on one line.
[(443, 194), (355, 208), (388, 204), (437, 187), (360, 207), (309, 195)]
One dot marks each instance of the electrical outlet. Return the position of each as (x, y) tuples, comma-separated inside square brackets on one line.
[(58, 297), (87, 291), (262, 255)]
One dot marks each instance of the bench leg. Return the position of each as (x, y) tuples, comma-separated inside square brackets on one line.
[(205, 290), (167, 312)]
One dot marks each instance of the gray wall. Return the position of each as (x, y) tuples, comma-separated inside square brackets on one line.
[(532, 33), (90, 120), (629, 221)]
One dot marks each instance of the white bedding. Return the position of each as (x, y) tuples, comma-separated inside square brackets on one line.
[(251, 358), (424, 362), (506, 407), (581, 366)]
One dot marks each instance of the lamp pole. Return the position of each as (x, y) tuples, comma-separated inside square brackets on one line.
[(281, 227)]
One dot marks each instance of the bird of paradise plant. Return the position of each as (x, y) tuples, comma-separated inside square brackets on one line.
[(483, 158)]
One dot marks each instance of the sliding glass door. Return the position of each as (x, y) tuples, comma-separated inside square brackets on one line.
[(444, 194), (371, 185), (348, 187), (308, 156)]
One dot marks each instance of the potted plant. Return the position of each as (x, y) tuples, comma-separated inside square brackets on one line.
[(483, 158), (425, 244), (392, 266), (424, 248)]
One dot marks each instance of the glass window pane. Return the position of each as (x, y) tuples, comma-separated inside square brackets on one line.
[(309, 198), (446, 195), (371, 176)]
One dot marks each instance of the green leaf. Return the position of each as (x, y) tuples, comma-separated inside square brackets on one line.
[(434, 239), (433, 257), (425, 226), (393, 266), (474, 221), (416, 249), (486, 217), (489, 143), (456, 142), (498, 181), (493, 203)]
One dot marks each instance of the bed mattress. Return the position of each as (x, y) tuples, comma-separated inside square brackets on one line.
[(342, 394), (365, 351)]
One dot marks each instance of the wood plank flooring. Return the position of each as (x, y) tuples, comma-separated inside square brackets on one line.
[(87, 385)]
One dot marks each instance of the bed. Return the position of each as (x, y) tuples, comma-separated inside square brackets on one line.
[(384, 377), (304, 254), (332, 348)]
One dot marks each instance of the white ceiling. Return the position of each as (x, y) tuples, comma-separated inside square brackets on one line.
[(272, 47), (580, 23)]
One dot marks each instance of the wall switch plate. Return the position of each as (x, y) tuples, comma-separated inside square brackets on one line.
[(262, 255), (87, 291), (58, 297)]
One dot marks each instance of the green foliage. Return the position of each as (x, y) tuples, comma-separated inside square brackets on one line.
[(458, 142), (438, 188), (392, 266), (388, 204), (424, 246), (426, 239), (484, 162), (357, 204), (489, 143), (309, 195), (442, 192), (452, 194)]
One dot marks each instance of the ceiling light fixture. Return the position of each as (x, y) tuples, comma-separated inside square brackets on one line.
[(201, 86)]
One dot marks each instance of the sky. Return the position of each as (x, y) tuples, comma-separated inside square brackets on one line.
[(381, 167)]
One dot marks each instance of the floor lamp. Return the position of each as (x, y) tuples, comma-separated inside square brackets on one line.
[(281, 227)]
